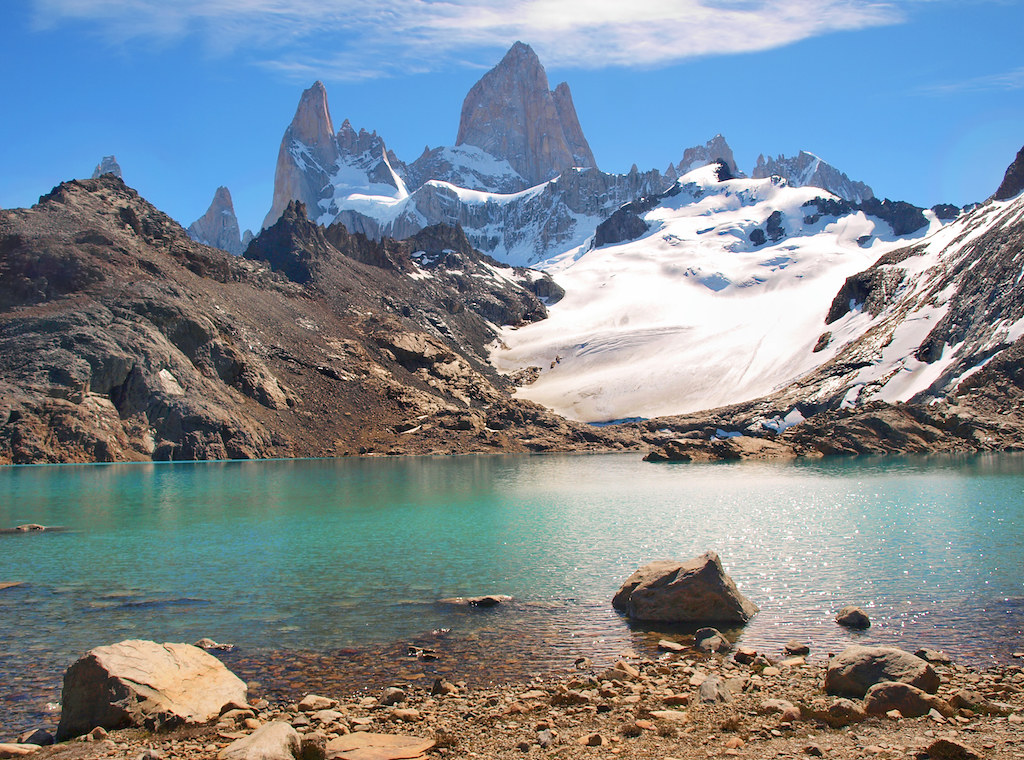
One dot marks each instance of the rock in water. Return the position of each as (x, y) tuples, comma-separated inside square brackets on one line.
[(857, 669), (696, 591), (853, 617), (142, 683), (274, 741), (512, 114), (108, 165)]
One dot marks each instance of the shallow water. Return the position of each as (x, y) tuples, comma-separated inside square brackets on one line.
[(347, 559)]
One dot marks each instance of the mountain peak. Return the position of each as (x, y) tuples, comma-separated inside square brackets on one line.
[(714, 150), (809, 170), (218, 227), (312, 123), (1013, 182), (108, 165), (512, 114)]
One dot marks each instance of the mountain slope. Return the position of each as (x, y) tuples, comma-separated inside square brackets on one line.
[(123, 339), (721, 299)]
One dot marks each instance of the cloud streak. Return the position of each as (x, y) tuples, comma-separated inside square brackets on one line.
[(1005, 82), (359, 39)]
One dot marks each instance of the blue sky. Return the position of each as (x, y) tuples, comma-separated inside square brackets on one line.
[(921, 99)]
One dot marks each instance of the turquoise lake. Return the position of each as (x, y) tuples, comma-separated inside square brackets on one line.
[(352, 555)]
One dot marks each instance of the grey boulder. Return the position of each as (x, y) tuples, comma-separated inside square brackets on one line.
[(695, 591), (142, 683), (856, 669)]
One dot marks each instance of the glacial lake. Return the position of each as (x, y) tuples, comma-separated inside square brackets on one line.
[(319, 566)]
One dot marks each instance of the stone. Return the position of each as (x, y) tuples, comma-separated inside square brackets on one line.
[(314, 746), (592, 740), (711, 640), (950, 749), (545, 738), (670, 716), (670, 646), (37, 736), (392, 695), (10, 584), (370, 746), (443, 687), (745, 655), (315, 703), (211, 645), (796, 648), (909, 700), (769, 706), (142, 683), (487, 600), (858, 668), (406, 715), (274, 741), (933, 656), (965, 699), (18, 750), (696, 591), (714, 689), (837, 714), (853, 617)]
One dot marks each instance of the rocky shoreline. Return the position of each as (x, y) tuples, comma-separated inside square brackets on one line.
[(683, 704)]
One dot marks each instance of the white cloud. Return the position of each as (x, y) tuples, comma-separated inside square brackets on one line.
[(356, 39), (1010, 80)]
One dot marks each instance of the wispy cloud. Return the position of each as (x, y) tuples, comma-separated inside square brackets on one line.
[(1010, 80), (358, 39)]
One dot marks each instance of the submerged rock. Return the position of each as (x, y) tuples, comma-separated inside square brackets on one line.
[(142, 683), (695, 591)]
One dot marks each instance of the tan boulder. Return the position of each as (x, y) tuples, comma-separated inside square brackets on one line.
[(142, 683)]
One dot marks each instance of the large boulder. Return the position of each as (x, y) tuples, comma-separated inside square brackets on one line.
[(909, 700), (695, 591), (142, 683), (856, 669)]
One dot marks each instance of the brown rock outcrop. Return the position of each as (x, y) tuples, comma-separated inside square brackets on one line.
[(512, 114)]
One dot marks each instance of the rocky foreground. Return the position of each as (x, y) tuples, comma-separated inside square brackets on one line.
[(684, 704)]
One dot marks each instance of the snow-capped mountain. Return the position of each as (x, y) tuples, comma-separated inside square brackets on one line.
[(721, 299), (218, 227), (925, 318), (808, 170), (323, 169)]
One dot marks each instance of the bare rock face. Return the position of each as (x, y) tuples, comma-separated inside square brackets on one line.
[(512, 114), (142, 683), (695, 591), (856, 669), (218, 227), (108, 165), (1013, 182), (807, 170), (308, 152)]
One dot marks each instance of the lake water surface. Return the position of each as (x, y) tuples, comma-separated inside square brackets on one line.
[(333, 560)]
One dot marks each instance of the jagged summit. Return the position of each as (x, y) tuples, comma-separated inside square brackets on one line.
[(808, 170), (108, 165), (512, 114), (714, 150), (316, 166), (1013, 182), (218, 227)]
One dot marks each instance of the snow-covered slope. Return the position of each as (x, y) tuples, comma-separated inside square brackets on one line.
[(696, 313), (925, 318)]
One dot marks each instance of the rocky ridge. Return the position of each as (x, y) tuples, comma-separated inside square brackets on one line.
[(806, 169), (123, 339), (108, 165)]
